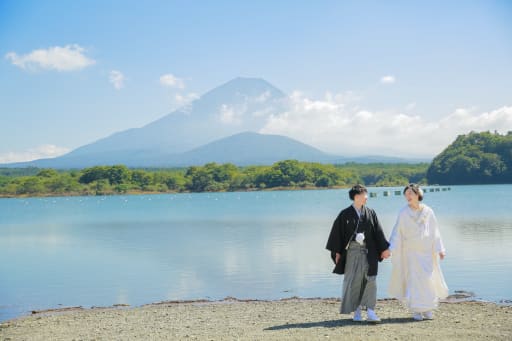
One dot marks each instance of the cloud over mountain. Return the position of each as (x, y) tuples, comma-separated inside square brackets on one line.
[(39, 152), (339, 124)]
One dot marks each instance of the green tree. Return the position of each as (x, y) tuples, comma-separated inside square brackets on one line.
[(118, 174), (91, 174), (62, 184), (285, 173), (141, 179), (101, 187), (48, 173), (324, 181), (475, 158), (200, 180), (31, 185)]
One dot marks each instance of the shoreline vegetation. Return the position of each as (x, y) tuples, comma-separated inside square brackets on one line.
[(472, 159), (211, 177), (287, 319)]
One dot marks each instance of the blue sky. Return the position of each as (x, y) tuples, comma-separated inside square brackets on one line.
[(72, 72)]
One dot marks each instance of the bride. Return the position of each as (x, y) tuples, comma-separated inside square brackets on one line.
[(416, 279)]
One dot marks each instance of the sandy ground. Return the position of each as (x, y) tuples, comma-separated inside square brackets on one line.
[(291, 319)]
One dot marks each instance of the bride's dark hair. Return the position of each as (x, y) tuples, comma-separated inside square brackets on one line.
[(416, 189)]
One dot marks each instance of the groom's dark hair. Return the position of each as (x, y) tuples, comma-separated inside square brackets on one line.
[(355, 190)]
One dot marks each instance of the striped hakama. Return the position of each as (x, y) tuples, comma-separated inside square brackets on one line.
[(359, 289)]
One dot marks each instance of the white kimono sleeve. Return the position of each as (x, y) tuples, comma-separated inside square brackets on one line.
[(438, 241), (395, 240)]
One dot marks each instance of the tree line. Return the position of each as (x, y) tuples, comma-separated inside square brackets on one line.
[(211, 177), (475, 158)]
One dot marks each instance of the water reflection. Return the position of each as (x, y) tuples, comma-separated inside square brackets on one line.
[(266, 245), (491, 229)]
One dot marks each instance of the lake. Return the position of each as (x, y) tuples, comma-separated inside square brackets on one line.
[(100, 251)]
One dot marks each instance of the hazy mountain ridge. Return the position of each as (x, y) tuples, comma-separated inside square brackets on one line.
[(220, 126)]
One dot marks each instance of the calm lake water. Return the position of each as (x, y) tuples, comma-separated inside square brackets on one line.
[(99, 251)]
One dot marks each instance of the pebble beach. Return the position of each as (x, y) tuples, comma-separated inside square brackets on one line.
[(288, 319)]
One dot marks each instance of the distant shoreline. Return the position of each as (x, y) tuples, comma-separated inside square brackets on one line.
[(211, 177), (136, 193)]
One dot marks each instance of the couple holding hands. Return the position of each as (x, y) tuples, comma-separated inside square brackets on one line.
[(357, 243)]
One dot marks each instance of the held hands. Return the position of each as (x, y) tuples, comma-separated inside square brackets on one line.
[(385, 254), (442, 255)]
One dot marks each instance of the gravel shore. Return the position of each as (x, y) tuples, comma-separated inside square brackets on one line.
[(290, 319)]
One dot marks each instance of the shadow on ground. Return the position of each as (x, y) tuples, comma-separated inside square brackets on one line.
[(341, 323)]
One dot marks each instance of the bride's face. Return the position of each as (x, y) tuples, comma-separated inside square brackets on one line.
[(411, 197)]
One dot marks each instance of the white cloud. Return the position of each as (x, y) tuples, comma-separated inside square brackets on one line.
[(247, 112), (181, 99), (410, 106), (469, 119), (263, 112), (40, 152), (178, 98), (228, 114), (263, 97), (388, 79), (67, 58), (172, 81), (117, 79), (338, 125)]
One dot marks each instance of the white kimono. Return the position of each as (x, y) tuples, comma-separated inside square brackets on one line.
[(416, 279)]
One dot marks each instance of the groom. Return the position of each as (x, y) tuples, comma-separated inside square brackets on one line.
[(357, 243)]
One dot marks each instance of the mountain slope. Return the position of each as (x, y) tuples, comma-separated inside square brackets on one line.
[(242, 104), (238, 105), (250, 148), (214, 128)]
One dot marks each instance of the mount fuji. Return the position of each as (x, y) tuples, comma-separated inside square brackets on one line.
[(220, 126)]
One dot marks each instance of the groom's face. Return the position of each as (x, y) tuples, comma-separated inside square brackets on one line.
[(361, 199)]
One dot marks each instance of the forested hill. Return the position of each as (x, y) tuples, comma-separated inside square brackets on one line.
[(475, 158), (212, 177)]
